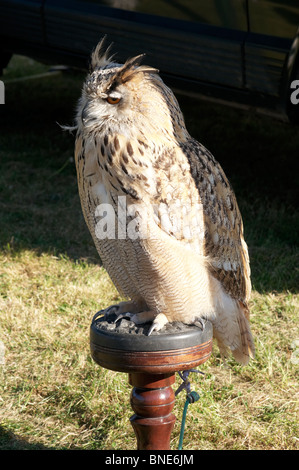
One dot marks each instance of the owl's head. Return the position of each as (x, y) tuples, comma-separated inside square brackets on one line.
[(126, 95)]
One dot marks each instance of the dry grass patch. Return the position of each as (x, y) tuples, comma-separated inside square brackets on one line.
[(54, 396)]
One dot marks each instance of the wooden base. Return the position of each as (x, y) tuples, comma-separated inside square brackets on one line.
[(151, 363), (152, 399)]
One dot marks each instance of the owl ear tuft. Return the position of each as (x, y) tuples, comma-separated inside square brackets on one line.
[(131, 67), (99, 56)]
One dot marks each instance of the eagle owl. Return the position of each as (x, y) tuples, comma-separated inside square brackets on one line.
[(159, 207)]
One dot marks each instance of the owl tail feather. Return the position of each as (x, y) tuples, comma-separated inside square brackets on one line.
[(237, 336), (246, 350)]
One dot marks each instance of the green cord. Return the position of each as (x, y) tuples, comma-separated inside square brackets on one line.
[(191, 398), (183, 424)]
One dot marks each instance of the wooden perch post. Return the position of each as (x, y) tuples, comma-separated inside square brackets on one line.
[(151, 362)]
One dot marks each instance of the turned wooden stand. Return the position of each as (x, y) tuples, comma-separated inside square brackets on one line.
[(151, 362)]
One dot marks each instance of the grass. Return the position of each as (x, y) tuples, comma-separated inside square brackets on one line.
[(52, 395)]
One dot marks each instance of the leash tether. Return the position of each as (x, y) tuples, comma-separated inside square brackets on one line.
[(191, 398)]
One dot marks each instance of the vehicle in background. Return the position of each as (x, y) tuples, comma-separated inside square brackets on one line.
[(238, 51)]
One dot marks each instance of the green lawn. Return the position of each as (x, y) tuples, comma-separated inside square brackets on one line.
[(52, 395)]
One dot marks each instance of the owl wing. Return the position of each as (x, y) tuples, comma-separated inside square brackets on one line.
[(224, 242)]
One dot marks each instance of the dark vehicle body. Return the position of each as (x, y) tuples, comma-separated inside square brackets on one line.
[(243, 51)]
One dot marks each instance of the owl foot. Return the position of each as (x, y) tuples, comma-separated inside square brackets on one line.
[(129, 315), (118, 309), (138, 318), (200, 322), (110, 311), (159, 320)]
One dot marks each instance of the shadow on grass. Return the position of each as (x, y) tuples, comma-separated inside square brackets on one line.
[(39, 203), (10, 441)]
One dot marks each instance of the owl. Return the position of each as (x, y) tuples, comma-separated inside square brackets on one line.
[(162, 214)]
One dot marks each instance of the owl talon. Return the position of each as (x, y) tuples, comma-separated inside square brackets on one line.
[(155, 326), (158, 323), (128, 315), (112, 310), (200, 322), (98, 315)]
